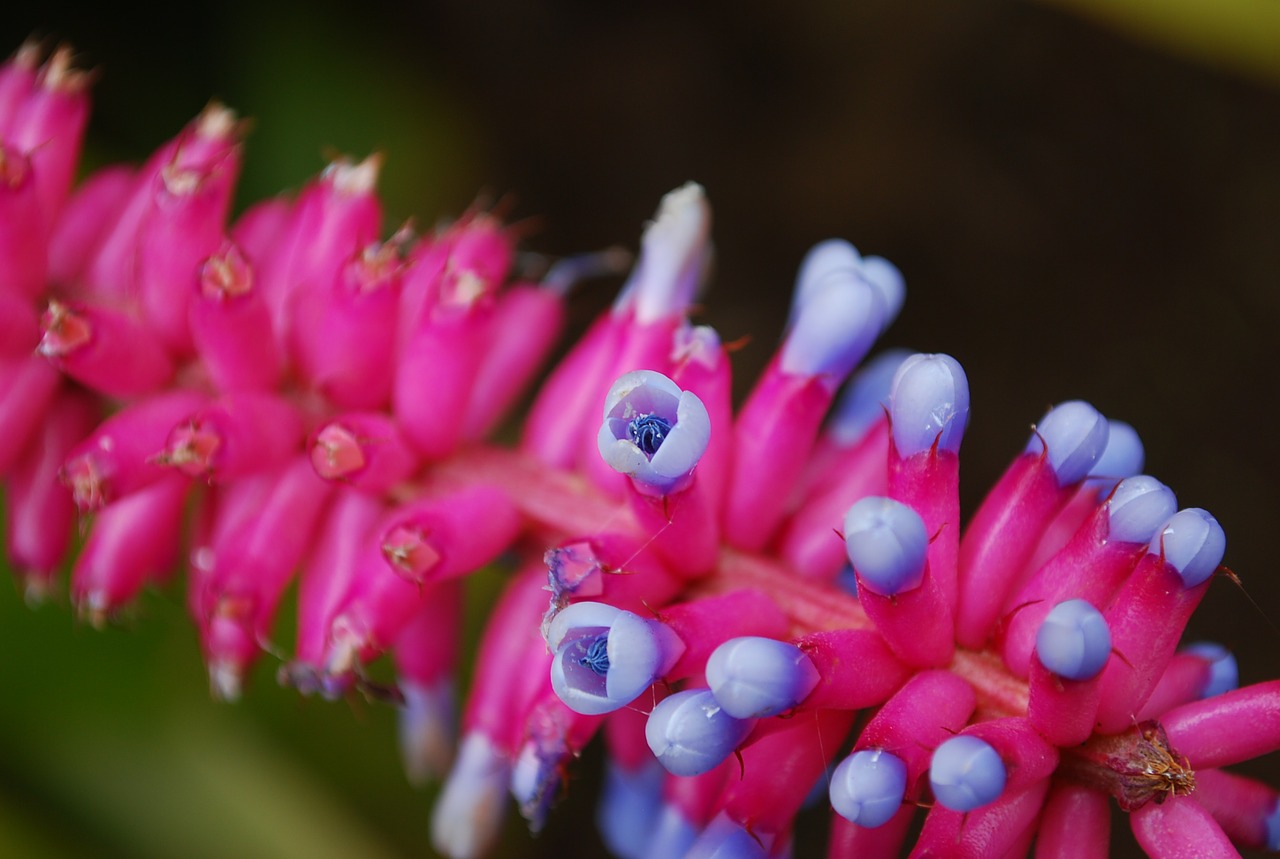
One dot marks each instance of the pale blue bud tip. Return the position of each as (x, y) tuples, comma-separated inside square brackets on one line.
[(673, 255), (864, 401), (672, 836), (887, 545), (1138, 507), (653, 431), (867, 787), (690, 733), (833, 329), (1272, 823), (1074, 435), (1074, 641), (630, 806), (725, 839), (755, 677), (966, 773), (888, 282), (929, 402), (833, 259), (1122, 457), (1224, 673), (1192, 543)]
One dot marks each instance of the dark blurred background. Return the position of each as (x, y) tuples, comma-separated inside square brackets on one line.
[(1082, 209)]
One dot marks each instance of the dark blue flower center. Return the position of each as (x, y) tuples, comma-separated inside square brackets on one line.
[(597, 656), (648, 432)]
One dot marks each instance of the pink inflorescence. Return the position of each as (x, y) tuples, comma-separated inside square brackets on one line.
[(743, 607)]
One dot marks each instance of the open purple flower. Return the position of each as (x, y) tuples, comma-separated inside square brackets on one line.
[(653, 431), (605, 657)]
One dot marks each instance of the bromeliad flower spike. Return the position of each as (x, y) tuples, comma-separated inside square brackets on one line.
[(303, 391)]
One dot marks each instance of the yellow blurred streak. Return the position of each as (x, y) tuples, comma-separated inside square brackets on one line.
[(1242, 36)]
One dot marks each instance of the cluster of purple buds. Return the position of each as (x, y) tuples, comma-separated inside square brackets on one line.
[(742, 607)]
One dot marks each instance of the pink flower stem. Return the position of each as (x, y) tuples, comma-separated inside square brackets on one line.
[(1244, 808), (851, 841), (1228, 728), (856, 666), (999, 541), (1076, 821), (929, 482), (810, 541), (1177, 828)]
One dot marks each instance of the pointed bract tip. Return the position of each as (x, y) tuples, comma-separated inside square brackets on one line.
[(359, 178), (337, 452), (217, 122), (226, 680), (65, 331), (60, 74)]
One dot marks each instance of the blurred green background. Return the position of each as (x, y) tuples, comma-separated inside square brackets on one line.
[(1084, 197)]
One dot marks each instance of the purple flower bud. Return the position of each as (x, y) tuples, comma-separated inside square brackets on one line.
[(753, 677), (1074, 641), (1074, 436), (468, 816), (1193, 543), (426, 729), (653, 431), (928, 403), (690, 733), (888, 282), (834, 329), (835, 260), (1122, 457), (725, 839), (630, 807), (867, 787), (1272, 823), (887, 545), (674, 253), (1138, 506), (966, 773), (605, 657), (1224, 673)]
